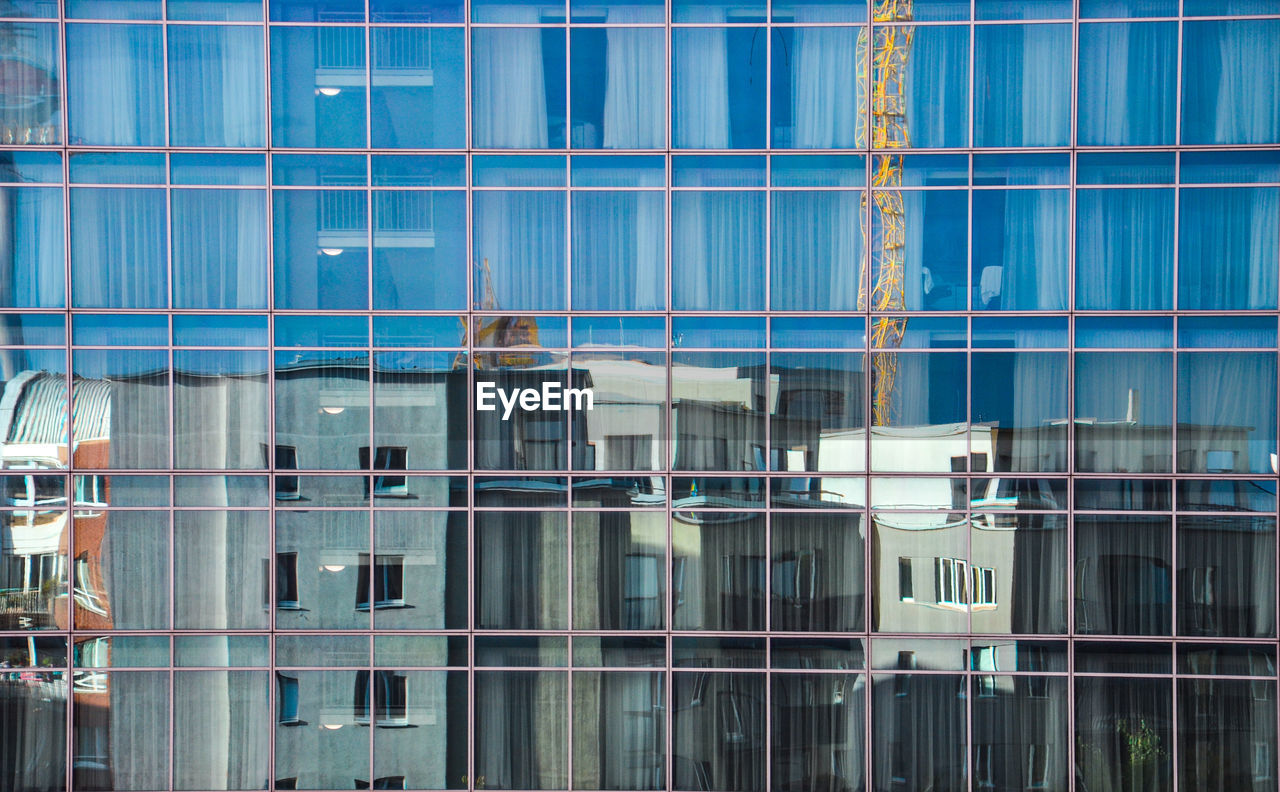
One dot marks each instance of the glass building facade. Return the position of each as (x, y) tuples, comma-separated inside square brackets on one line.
[(932, 441)]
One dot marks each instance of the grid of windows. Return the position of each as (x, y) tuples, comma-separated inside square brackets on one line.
[(932, 432)]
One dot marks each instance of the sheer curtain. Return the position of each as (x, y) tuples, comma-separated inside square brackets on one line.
[(817, 250), (619, 737), (1124, 249), (1040, 409), (219, 248), (1128, 78), (1124, 412), (1230, 85), (31, 247), (216, 86), (700, 70), (817, 573), (520, 236), (1123, 576), (520, 719), (510, 101), (825, 111), (1024, 85), (1113, 715), (115, 85), (1228, 248), (118, 248), (818, 732), (717, 250), (937, 86), (1227, 576), (635, 68), (1226, 412), (1033, 260), (617, 251)]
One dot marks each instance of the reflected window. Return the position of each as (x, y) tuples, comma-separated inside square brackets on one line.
[(390, 701), (287, 581), (285, 457), (287, 703), (388, 582), (387, 458)]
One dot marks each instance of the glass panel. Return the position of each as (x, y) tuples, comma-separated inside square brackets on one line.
[(115, 85), (322, 412), (1019, 729), (817, 572), (922, 578), (120, 718), (619, 570), (507, 438), (718, 571), (1226, 733), (719, 729), (1123, 412), (1129, 494), (1226, 576), (1145, 167), (318, 92), (121, 408), (717, 425), (1229, 94), (1020, 259), (624, 109), (937, 85), (815, 88), (919, 412), (219, 248), (318, 744), (521, 735), (1128, 83), (1023, 93), (33, 580), (1123, 575), (216, 86), (1124, 249), (717, 250), (214, 10), (221, 730), (1123, 733), (1105, 657), (118, 257), (421, 736), (1227, 256), (33, 251), (521, 565), (518, 85), (1018, 575), (1226, 412), (718, 86), (718, 332), (922, 235), (618, 240), (33, 111), (219, 571), (619, 730), (318, 558), (221, 650), (817, 250), (321, 248), (818, 720), (419, 250), (419, 91), (419, 417), (918, 733), (818, 412), (519, 251), (419, 569), (1022, 427), (1227, 495)]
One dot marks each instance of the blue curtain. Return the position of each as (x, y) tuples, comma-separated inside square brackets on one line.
[(115, 85), (1124, 249), (1020, 249), (817, 250), (1226, 412), (31, 247), (938, 87), (618, 262), (1230, 83), (1128, 81), (216, 86), (1228, 245), (717, 250), (118, 248), (219, 249), (1023, 85)]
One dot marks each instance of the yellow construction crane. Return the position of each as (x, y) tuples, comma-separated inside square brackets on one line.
[(890, 48), (505, 332)]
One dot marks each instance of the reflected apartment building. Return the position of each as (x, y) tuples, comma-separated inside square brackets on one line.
[(932, 441)]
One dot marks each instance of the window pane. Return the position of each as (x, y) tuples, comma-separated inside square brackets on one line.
[(817, 572), (1228, 246), (517, 87), (1019, 730), (118, 248), (216, 86), (120, 410), (1128, 74), (321, 248), (519, 250), (115, 747), (1024, 422), (322, 409), (1123, 575), (220, 408), (819, 721), (1226, 576), (319, 584), (219, 248), (420, 571), (115, 85), (1123, 732), (618, 240), (934, 267), (937, 87), (814, 90), (1020, 249), (624, 109), (817, 251), (1124, 249), (221, 729), (619, 567), (717, 425), (1124, 412), (418, 408), (219, 576), (32, 112), (418, 88), (626, 428), (122, 570), (1226, 733), (818, 419), (717, 250), (1230, 93), (918, 730), (521, 737), (419, 250), (1018, 579), (422, 720), (725, 752), (619, 753), (1023, 92), (316, 743), (919, 413), (31, 238), (521, 563), (718, 88), (318, 87), (1226, 412)]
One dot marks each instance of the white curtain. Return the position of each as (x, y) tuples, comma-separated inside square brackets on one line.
[(1124, 249), (618, 251), (937, 87), (31, 247), (717, 250), (1023, 91), (817, 250), (1033, 275), (635, 70), (1230, 82), (118, 248), (219, 248), (1226, 412), (700, 70), (520, 236), (216, 86), (510, 102), (1128, 74), (825, 111), (1228, 248), (115, 85), (1124, 412)]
